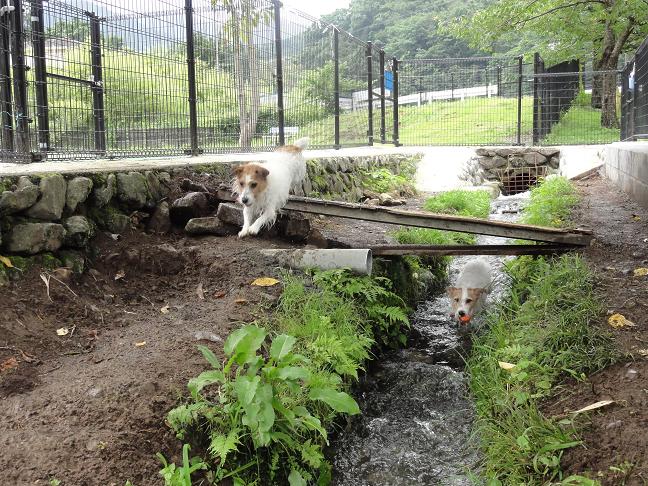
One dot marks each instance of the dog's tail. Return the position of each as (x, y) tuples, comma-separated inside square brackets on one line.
[(302, 143)]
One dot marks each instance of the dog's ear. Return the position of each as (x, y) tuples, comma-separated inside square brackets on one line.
[(237, 170), (262, 172)]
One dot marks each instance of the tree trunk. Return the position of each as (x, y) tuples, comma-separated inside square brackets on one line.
[(609, 117), (597, 85)]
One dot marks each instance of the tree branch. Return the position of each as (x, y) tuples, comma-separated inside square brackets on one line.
[(556, 9)]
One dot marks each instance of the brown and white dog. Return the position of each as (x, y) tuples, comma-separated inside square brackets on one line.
[(263, 188), (470, 290)]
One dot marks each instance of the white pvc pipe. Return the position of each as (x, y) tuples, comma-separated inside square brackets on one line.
[(358, 261)]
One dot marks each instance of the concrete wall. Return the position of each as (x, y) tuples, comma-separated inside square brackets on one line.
[(626, 165)]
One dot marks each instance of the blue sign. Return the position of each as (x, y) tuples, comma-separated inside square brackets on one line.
[(389, 80)]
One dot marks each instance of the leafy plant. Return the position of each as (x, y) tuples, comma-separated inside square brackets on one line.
[(254, 403), (385, 311), (384, 180), (180, 476)]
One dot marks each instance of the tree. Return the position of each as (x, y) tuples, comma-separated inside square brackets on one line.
[(408, 29), (244, 17), (564, 30), (77, 29)]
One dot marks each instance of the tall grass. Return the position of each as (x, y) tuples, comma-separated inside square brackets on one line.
[(546, 330), (459, 202)]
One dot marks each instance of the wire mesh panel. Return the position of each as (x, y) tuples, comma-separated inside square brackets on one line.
[(569, 108), (309, 78), (472, 101), (640, 90), (354, 98), (236, 75)]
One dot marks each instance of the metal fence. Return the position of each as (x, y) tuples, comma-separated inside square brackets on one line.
[(634, 105), (102, 78)]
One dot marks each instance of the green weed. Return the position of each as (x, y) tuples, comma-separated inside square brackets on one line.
[(547, 330), (460, 202), (384, 180), (263, 414)]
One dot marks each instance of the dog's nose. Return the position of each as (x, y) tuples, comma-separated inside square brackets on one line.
[(461, 313), (245, 200)]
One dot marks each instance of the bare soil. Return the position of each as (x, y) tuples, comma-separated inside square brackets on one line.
[(615, 449), (88, 407)]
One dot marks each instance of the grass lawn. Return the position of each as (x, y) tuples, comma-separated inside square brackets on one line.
[(473, 121), (581, 125)]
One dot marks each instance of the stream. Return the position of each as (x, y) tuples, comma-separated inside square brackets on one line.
[(417, 415)]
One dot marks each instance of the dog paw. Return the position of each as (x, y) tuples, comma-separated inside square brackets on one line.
[(253, 231), (243, 233)]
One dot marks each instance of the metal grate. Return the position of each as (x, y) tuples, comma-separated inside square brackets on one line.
[(515, 180)]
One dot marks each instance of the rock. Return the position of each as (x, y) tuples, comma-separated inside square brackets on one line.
[(384, 197), (79, 231), (192, 205), (189, 185), (493, 189), (534, 158), (117, 222), (78, 190), (160, 221), (207, 336), (296, 229), (15, 201), (73, 260), (104, 194), (50, 206), (157, 190), (517, 161), (482, 152), (373, 202), (230, 213), (95, 392), (493, 162), (399, 202), (32, 238), (631, 374), (209, 226), (547, 151), (132, 189), (317, 239), (505, 152), (24, 181), (554, 162)]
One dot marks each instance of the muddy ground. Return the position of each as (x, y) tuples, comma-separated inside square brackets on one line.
[(615, 448), (88, 408)]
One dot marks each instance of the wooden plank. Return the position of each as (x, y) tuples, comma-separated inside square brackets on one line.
[(430, 220), (439, 221), (454, 250)]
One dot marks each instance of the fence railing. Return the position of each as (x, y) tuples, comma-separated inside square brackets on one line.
[(103, 78), (634, 104), (83, 79)]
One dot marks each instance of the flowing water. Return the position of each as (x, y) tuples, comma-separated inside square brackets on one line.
[(417, 416)]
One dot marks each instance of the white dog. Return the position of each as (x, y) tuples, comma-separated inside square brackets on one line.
[(470, 290), (263, 188)]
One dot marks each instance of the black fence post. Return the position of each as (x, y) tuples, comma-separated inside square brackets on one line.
[(395, 101), (5, 85), (40, 75), (536, 99), (499, 81), (369, 94), (336, 86), (519, 104), (97, 83), (191, 78), (20, 83), (382, 97), (279, 60)]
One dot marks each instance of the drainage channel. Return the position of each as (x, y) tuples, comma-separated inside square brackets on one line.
[(417, 415)]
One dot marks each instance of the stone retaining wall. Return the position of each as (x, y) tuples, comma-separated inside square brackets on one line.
[(55, 213), (501, 163)]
